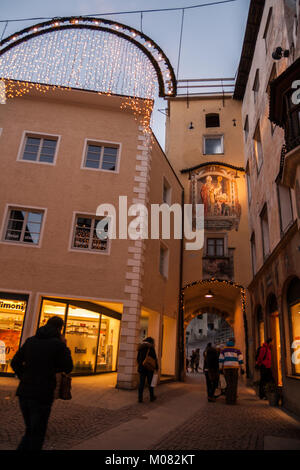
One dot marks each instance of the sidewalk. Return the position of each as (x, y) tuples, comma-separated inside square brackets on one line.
[(102, 417)]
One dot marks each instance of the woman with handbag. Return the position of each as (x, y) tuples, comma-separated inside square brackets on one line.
[(147, 364)]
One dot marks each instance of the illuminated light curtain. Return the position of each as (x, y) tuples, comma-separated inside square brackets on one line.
[(87, 59)]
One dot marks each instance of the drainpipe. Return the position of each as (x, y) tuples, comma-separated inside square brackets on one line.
[(180, 366)]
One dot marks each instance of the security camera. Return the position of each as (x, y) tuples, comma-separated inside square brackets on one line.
[(279, 53)]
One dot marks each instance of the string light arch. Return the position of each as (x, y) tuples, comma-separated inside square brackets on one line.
[(87, 53)]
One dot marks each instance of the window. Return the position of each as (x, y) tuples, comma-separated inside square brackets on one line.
[(272, 77), (253, 253), (265, 231), (256, 86), (23, 226), (85, 234), (268, 29), (101, 157), (213, 145), (215, 247), (212, 120), (39, 149), (163, 260), (257, 144), (166, 192), (293, 302), (285, 207), (246, 128), (248, 182)]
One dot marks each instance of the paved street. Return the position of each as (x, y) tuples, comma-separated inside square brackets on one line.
[(102, 417)]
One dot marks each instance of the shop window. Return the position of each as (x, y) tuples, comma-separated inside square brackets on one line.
[(285, 207), (163, 260), (108, 344), (101, 157), (293, 301), (91, 333), (212, 120), (257, 145), (265, 231), (23, 226), (86, 237), (215, 247), (39, 149), (213, 145), (12, 314)]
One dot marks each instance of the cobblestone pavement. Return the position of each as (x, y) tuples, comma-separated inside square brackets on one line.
[(97, 406)]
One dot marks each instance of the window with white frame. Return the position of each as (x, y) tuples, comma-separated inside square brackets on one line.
[(163, 260), (88, 235), (213, 144), (23, 226), (41, 149), (101, 156)]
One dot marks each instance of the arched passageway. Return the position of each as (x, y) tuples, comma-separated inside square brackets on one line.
[(221, 298)]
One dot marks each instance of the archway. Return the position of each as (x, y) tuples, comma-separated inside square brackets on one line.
[(221, 297)]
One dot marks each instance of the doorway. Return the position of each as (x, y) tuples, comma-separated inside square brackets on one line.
[(274, 324)]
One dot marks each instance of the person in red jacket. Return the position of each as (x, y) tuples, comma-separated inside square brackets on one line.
[(264, 362)]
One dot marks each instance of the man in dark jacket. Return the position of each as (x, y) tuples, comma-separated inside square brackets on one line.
[(211, 370), (146, 347), (36, 364)]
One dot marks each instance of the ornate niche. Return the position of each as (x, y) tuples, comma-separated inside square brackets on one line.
[(216, 188)]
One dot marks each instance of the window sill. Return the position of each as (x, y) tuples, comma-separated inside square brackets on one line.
[(31, 245), (212, 154), (295, 377)]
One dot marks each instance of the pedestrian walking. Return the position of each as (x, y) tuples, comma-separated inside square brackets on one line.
[(231, 360), (197, 359), (187, 363), (211, 371), (147, 364), (36, 364), (264, 364), (192, 361)]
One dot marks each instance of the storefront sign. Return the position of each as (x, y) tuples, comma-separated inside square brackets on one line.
[(12, 306), (80, 351)]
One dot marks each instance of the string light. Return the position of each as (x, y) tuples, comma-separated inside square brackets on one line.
[(90, 59)]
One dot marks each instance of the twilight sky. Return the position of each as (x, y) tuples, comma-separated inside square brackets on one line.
[(212, 36)]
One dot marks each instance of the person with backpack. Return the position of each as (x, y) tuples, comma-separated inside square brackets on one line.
[(147, 364), (264, 364)]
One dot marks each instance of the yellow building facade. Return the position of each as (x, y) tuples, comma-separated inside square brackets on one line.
[(204, 145)]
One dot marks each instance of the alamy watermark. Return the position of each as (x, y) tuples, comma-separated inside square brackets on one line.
[(187, 223), (296, 94)]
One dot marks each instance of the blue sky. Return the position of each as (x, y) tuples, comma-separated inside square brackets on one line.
[(212, 36)]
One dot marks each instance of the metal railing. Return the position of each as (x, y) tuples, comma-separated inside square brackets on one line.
[(205, 86)]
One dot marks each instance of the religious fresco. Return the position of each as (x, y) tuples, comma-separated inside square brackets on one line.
[(216, 188)]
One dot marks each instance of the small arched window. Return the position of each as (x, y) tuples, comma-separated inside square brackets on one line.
[(212, 120)]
